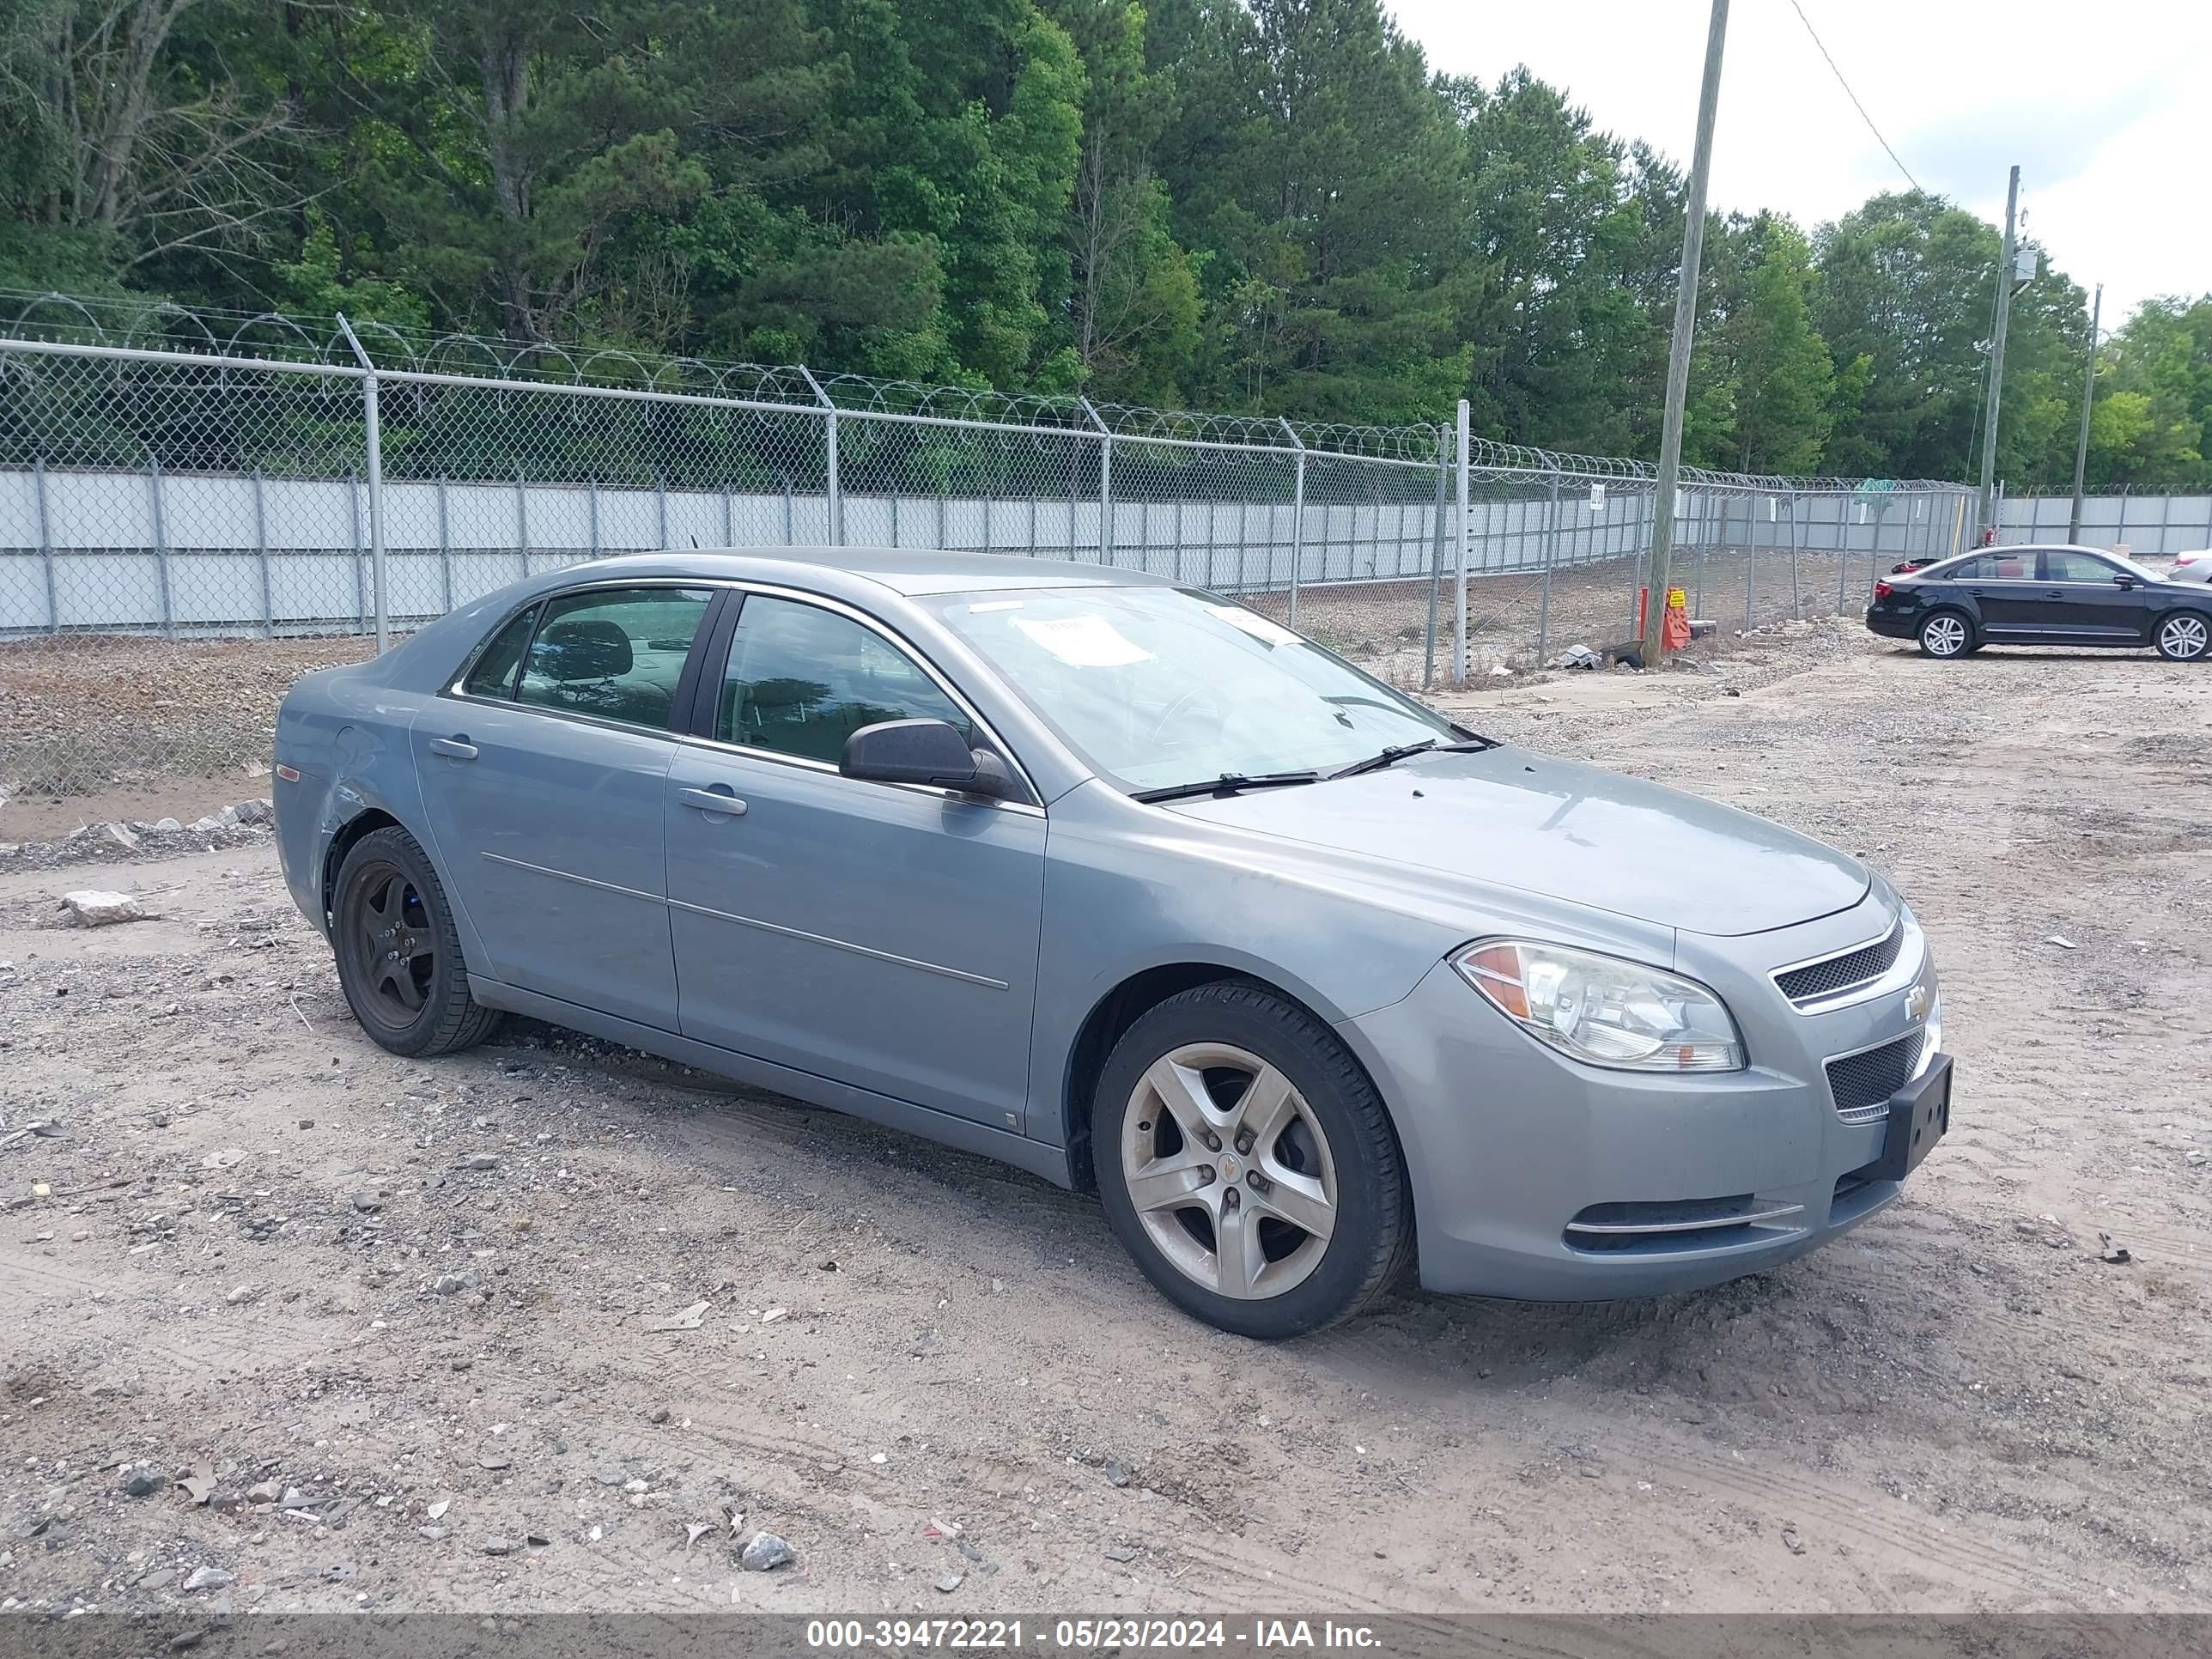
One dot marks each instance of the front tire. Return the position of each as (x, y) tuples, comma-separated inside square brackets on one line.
[(1946, 634), (399, 956), (2185, 637), (1248, 1165)]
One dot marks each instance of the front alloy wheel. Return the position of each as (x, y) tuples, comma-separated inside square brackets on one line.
[(2184, 638), (1228, 1171), (1247, 1163), (1944, 635)]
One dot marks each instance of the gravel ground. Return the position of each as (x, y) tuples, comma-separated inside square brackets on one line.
[(411, 1320)]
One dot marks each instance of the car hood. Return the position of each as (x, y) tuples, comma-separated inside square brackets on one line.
[(1580, 834)]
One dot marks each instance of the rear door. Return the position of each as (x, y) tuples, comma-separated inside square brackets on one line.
[(2005, 584), (2088, 603), (883, 935), (542, 773)]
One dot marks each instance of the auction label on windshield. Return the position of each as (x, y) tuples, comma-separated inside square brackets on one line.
[(1126, 1633)]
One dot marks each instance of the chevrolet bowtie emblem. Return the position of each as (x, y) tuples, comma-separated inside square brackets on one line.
[(1916, 1003)]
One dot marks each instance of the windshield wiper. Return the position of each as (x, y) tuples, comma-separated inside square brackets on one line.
[(1227, 784), (1392, 756)]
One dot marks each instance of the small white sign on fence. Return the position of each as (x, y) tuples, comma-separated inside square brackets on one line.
[(1597, 498)]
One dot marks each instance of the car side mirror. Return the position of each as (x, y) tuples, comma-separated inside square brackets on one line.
[(931, 753), (2123, 580)]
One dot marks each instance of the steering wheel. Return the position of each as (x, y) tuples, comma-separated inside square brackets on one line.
[(1197, 696)]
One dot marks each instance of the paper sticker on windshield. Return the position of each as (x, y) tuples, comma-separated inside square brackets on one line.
[(1252, 622), (1084, 641)]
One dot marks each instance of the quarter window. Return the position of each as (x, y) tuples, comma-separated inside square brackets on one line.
[(800, 680), (494, 674), (614, 652)]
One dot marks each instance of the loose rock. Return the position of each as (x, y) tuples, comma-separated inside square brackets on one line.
[(211, 1578), (765, 1553), (96, 908)]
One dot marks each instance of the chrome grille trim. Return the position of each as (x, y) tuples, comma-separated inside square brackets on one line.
[(1841, 975)]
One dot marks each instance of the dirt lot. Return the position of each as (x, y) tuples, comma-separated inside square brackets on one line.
[(233, 1253)]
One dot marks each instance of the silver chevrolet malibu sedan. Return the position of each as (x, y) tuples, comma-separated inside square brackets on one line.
[(1130, 886)]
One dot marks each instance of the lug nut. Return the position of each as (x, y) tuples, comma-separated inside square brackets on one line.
[(1243, 1140), (1257, 1181), (1206, 1175), (1212, 1141), (1229, 1199)]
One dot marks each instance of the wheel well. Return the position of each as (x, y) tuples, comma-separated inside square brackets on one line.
[(1117, 1010), (361, 824)]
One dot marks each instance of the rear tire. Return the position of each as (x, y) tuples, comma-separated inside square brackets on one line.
[(399, 954), (1248, 1165), (1946, 634), (2184, 636)]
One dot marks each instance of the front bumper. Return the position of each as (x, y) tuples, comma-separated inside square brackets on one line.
[(1540, 1178)]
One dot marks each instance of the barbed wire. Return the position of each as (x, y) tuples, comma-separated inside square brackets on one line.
[(265, 337)]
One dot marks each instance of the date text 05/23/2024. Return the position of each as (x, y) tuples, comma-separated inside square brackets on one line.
[(1255, 1635)]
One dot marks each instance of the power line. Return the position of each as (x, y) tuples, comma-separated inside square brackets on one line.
[(1853, 97)]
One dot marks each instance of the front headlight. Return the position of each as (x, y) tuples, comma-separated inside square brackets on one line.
[(1603, 1010)]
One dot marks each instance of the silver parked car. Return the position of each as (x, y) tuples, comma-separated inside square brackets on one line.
[(1130, 886)]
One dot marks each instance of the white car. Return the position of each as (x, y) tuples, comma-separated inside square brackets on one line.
[(2191, 566)]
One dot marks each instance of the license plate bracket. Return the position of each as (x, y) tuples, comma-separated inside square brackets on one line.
[(1919, 1116)]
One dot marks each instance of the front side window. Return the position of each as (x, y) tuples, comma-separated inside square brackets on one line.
[(1161, 686), (801, 679), (2076, 568), (493, 673), (614, 652)]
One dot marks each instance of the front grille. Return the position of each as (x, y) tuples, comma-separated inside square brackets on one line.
[(1817, 980), (1862, 1083)]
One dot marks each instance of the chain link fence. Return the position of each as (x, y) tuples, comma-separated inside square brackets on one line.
[(196, 509)]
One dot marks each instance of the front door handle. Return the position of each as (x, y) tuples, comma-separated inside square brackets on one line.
[(454, 747), (720, 801)]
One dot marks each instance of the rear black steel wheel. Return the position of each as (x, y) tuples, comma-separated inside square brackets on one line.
[(399, 957)]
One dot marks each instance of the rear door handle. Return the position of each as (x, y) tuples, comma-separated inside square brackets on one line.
[(719, 801), (454, 747)]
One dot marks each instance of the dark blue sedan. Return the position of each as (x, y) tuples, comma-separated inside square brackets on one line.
[(2073, 596)]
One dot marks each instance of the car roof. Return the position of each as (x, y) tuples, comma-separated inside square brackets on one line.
[(910, 571)]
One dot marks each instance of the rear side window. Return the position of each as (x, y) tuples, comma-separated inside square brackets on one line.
[(494, 674), (2010, 565), (614, 652)]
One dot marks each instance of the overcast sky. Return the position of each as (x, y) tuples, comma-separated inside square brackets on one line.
[(2103, 105)]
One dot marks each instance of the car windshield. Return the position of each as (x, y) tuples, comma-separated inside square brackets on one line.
[(1161, 686)]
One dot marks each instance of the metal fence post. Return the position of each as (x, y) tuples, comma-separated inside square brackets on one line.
[(1797, 540), (160, 542), (591, 499), (660, 506), (46, 542), (1551, 559), (1436, 565), (833, 488), (522, 520), (1459, 582), (444, 549), (372, 414), (261, 551), (1297, 517), (1105, 487), (1751, 559)]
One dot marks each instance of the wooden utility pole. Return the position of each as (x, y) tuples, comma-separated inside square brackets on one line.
[(1997, 357), (1678, 354)]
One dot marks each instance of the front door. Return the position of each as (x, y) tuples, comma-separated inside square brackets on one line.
[(880, 935), (2088, 605), (543, 781)]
